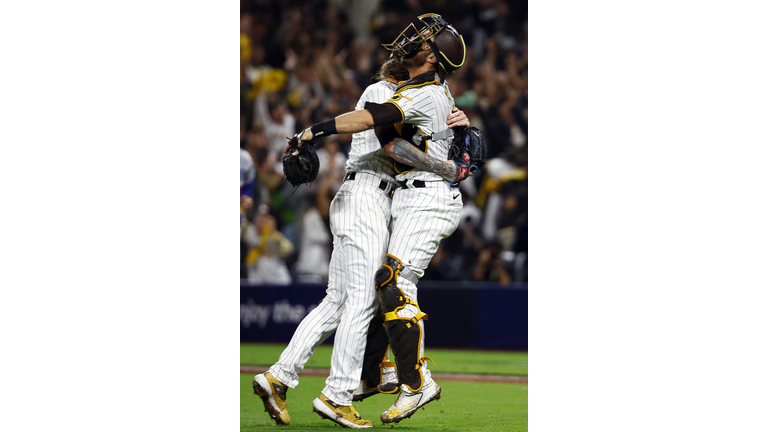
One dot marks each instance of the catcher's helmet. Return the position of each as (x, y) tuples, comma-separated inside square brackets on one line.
[(446, 43)]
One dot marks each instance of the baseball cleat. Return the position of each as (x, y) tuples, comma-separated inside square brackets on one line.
[(363, 391), (273, 394), (346, 416), (390, 385), (408, 402)]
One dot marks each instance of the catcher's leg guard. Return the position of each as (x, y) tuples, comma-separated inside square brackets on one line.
[(375, 352), (404, 334)]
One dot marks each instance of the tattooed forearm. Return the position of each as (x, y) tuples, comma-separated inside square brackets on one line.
[(403, 151)]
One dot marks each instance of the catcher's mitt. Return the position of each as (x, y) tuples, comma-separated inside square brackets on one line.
[(300, 162), (467, 152)]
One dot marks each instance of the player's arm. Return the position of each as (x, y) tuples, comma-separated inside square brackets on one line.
[(405, 152), (374, 114)]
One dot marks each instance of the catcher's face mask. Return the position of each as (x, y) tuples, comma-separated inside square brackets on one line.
[(444, 41), (412, 38)]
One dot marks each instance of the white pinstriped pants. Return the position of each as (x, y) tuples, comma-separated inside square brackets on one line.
[(359, 215), (421, 218)]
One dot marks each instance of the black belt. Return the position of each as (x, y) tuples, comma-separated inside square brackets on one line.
[(382, 185), (416, 184)]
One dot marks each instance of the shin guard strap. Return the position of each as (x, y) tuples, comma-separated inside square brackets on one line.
[(424, 360), (389, 316)]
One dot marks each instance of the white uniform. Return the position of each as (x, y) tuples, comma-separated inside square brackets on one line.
[(422, 216), (359, 216)]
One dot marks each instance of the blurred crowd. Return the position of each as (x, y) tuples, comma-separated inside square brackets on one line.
[(302, 62)]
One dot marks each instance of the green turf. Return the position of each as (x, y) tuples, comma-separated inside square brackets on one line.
[(464, 406), (446, 361)]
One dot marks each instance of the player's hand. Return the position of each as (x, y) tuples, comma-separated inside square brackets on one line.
[(455, 174), (457, 118), (306, 135)]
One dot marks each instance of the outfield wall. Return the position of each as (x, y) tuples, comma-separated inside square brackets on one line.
[(461, 315)]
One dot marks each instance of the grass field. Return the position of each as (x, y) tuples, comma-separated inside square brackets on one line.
[(464, 406), (446, 361)]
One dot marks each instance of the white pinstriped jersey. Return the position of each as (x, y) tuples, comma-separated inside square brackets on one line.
[(426, 106), (366, 154)]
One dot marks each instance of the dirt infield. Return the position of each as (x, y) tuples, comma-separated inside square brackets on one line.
[(507, 379)]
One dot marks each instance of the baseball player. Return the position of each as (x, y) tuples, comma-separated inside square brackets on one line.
[(425, 209), (359, 217)]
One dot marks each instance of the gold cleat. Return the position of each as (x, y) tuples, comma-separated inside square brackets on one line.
[(346, 416), (273, 394)]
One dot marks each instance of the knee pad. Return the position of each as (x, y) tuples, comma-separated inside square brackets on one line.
[(391, 297), (386, 275)]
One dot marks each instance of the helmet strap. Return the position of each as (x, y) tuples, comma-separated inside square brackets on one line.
[(441, 72)]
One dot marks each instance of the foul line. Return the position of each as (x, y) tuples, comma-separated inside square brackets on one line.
[(507, 379)]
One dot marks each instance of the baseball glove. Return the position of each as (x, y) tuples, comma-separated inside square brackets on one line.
[(467, 152), (300, 162)]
